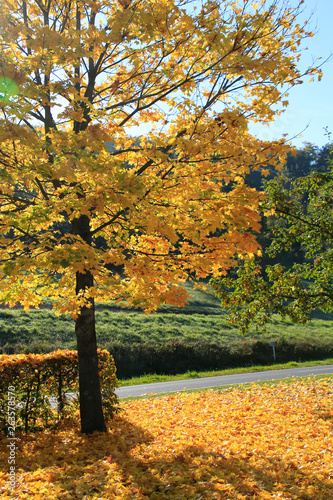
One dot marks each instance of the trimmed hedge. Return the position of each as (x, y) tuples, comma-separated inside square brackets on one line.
[(27, 381), (133, 360)]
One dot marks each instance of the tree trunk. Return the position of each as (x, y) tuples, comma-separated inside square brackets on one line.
[(91, 411)]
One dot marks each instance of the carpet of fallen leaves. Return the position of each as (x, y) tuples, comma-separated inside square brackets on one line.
[(262, 442)]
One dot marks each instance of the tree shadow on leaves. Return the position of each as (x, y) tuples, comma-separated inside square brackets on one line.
[(126, 463)]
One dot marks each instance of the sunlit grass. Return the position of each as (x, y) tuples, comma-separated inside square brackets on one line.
[(42, 331)]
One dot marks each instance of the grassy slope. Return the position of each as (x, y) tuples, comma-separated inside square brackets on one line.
[(42, 330), (42, 327)]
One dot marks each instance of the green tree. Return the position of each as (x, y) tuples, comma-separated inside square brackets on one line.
[(301, 211), (308, 159), (87, 72)]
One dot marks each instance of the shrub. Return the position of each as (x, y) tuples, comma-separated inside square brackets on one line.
[(37, 379)]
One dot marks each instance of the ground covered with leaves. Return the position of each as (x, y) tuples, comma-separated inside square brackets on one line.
[(259, 442)]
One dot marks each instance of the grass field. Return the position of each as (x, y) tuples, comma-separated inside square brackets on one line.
[(202, 321), (263, 441), (41, 330)]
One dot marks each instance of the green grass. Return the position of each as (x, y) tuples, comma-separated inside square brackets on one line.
[(202, 319), (43, 331), (149, 379), (40, 330)]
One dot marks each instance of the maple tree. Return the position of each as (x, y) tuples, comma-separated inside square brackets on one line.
[(82, 223)]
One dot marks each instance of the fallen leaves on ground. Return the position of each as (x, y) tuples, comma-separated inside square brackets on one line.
[(262, 442)]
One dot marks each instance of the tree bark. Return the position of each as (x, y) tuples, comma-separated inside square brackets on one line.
[(91, 411)]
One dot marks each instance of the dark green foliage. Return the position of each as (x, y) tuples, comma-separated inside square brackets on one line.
[(302, 225), (307, 160), (298, 164), (179, 357)]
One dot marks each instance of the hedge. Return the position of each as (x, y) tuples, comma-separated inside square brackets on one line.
[(28, 381), (172, 357), (133, 360)]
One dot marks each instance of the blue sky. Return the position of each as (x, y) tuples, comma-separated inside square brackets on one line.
[(310, 104)]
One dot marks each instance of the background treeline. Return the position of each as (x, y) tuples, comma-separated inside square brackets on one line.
[(294, 277), (299, 163)]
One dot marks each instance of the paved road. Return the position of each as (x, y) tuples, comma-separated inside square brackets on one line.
[(200, 383)]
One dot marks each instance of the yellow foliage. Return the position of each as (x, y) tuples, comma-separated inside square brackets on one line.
[(263, 442), (91, 213), (37, 376)]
